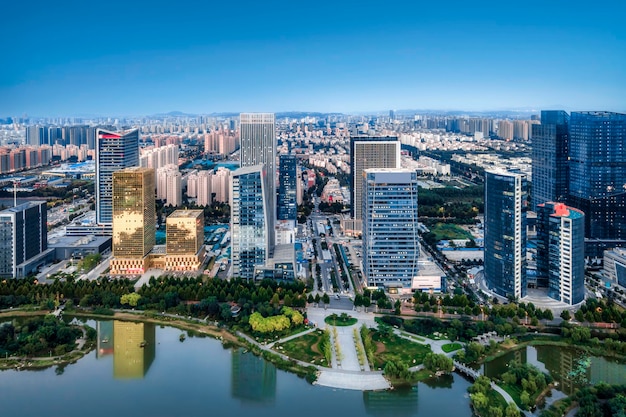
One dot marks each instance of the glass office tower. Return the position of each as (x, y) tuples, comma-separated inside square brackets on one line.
[(390, 239), (134, 219), (258, 146), (597, 183), (505, 232), (287, 180), (114, 151), (248, 221), (23, 238), (550, 141)]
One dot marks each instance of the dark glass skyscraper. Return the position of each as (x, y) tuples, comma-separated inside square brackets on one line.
[(114, 151), (550, 157), (23, 238), (597, 184), (505, 232), (287, 181)]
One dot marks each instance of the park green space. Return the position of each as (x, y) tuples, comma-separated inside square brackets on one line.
[(451, 347), (393, 348), (306, 348), (449, 231), (340, 320)]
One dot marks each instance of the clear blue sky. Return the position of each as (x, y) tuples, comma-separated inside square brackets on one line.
[(62, 58)]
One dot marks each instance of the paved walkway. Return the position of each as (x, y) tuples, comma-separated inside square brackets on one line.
[(346, 371)]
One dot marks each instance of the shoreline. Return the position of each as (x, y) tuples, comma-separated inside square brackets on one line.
[(228, 339)]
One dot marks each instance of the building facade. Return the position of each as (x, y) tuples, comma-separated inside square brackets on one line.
[(368, 152), (23, 239), (614, 266), (561, 251), (550, 167), (258, 146), (249, 223), (185, 240), (114, 151), (505, 232), (597, 184), (390, 238), (134, 220), (287, 179)]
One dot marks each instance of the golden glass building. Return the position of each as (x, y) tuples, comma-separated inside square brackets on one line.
[(185, 238), (134, 220)]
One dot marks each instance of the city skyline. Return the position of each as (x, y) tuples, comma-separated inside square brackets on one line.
[(349, 57)]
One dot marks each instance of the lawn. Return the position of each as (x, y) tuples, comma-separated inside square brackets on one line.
[(304, 348), (515, 391), (397, 349), (341, 320), (496, 399), (451, 347), (449, 231)]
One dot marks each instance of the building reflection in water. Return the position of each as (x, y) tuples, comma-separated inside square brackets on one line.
[(134, 347), (398, 402), (104, 345), (570, 368), (253, 378)]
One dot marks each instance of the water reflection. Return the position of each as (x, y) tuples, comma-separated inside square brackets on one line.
[(253, 378), (398, 402), (133, 348), (104, 345), (571, 368)]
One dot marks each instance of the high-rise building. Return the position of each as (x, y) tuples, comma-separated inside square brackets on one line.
[(205, 188), (390, 238), (23, 239), (505, 232), (248, 221), (550, 157), (134, 220), (114, 151), (505, 129), (597, 177), (220, 183), (287, 178), (561, 251), (185, 238), (169, 185), (258, 146), (368, 152)]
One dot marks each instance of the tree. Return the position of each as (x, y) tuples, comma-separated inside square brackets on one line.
[(131, 299), (479, 401), (325, 299), (438, 362), (494, 411), (275, 300), (565, 315), (511, 410), (525, 399), (579, 315)]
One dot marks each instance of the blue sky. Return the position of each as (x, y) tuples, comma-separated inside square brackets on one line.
[(138, 58)]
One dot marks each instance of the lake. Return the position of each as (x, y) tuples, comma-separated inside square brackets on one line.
[(145, 370), (562, 363)]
